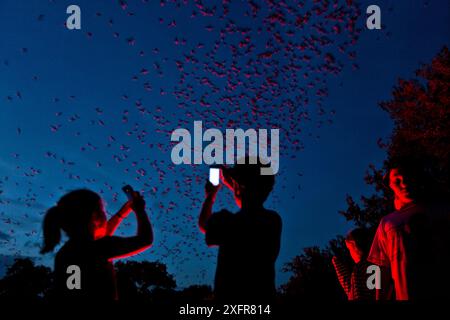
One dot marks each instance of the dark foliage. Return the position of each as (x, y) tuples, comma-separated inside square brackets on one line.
[(420, 110)]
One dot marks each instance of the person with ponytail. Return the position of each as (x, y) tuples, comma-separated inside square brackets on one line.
[(91, 245)]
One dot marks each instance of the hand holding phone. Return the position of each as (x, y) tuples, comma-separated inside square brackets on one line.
[(138, 202), (128, 190)]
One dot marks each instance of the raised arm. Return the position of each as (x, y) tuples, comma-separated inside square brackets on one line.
[(116, 219), (120, 247), (206, 212)]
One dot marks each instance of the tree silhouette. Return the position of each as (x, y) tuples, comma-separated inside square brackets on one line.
[(143, 280), (312, 274), (25, 280), (195, 294)]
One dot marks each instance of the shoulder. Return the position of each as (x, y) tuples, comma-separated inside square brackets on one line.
[(398, 219), (273, 215), (389, 222), (222, 214), (65, 250), (272, 218), (220, 217)]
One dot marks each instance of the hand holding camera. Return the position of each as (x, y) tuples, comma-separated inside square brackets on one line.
[(135, 199)]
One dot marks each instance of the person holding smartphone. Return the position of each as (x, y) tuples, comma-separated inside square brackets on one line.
[(91, 245), (249, 240)]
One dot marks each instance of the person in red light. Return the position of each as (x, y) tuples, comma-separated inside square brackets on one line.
[(412, 244), (249, 240), (353, 278), (91, 245)]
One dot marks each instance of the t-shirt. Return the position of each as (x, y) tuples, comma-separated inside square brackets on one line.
[(414, 244), (249, 243), (97, 271)]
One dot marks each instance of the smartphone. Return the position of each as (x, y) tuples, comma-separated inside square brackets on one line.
[(214, 176), (129, 191)]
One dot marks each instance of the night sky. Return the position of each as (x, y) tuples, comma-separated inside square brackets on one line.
[(95, 108)]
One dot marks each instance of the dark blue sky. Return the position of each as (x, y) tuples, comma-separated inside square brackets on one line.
[(83, 83)]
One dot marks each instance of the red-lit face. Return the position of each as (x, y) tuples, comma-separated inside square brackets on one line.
[(98, 223), (398, 186), (355, 252)]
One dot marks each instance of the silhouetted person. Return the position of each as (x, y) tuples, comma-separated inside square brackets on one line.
[(412, 244), (91, 245), (353, 277), (249, 240)]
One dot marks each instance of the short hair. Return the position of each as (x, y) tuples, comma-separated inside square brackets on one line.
[(362, 238), (72, 215), (416, 172), (249, 175)]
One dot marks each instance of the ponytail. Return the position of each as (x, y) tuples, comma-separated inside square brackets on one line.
[(51, 229), (72, 215)]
